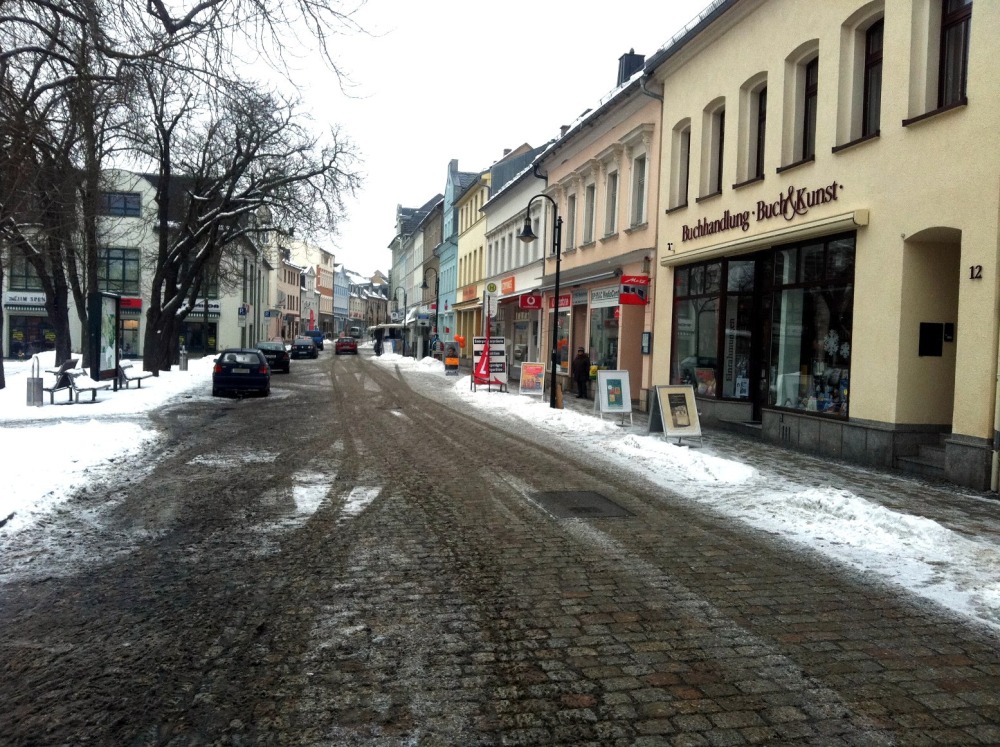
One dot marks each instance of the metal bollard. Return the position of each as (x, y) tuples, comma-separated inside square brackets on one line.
[(183, 359), (35, 383)]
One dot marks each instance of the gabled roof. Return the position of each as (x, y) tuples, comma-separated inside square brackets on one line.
[(469, 187), (408, 219), (466, 179)]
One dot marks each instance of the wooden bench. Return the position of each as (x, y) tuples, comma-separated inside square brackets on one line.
[(60, 380), (81, 382), (131, 374)]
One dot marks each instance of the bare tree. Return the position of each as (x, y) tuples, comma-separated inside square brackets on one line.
[(228, 159), (68, 69)]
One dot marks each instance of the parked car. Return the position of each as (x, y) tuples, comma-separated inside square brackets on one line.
[(316, 336), (239, 370), (304, 347), (345, 345), (276, 354)]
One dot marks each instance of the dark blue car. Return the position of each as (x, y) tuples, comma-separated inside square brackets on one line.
[(241, 370)]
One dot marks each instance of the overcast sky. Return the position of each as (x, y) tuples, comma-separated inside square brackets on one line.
[(453, 79)]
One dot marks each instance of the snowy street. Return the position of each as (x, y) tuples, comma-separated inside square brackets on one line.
[(376, 554)]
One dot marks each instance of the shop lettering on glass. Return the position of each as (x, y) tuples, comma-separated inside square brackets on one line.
[(792, 203)]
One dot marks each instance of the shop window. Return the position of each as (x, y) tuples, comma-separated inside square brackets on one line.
[(696, 327), (737, 329), (604, 337), (28, 335), (953, 66), (562, 340), (812, 320), (611, 205)]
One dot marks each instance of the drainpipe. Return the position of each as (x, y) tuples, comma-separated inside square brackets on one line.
[(642, 86), (995, 467)]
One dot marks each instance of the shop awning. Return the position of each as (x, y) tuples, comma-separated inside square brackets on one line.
[(24, 307)]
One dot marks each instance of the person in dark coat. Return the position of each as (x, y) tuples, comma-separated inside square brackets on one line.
[(581, 372)]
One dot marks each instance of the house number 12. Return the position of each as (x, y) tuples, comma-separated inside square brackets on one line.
[(976, 272)]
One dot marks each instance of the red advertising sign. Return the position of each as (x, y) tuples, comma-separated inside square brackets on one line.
[(131, 303), (634, 290), (507, 286), (529, 301), (565, 301)]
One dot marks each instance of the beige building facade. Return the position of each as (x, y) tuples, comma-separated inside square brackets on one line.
[(603, 175), (829, 182), (471, 261)]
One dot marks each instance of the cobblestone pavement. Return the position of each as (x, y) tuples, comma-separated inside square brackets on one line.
[(427, 598)]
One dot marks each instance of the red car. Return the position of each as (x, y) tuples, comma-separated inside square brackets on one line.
[(345, 345)]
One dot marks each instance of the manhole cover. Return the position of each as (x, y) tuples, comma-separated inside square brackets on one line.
[(579, 504)]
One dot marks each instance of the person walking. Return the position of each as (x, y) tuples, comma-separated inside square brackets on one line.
[(581, 372)]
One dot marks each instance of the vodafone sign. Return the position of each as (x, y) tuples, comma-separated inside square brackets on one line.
[(529, 301)]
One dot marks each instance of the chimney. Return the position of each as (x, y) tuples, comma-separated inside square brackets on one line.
[(506, 152), (628, 64), (563, 129)]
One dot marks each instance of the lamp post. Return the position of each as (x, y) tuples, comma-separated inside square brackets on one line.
[(396, 302), (527, 236), (437, 299)]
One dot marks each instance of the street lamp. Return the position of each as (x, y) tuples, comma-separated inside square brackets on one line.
[(437, 298), (527, 236), (395, 300)]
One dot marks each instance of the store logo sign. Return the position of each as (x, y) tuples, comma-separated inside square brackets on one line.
[(792, 203), (24, 297)]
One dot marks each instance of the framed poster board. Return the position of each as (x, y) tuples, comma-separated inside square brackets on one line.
[(532, 378), (677, 412), (613, 393), (103, 317)]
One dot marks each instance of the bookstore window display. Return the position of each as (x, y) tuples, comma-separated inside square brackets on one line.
[(805, 303)]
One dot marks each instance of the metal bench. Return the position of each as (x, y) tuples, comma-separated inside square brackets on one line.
[(131, 374), (81, 382), (61, 380)]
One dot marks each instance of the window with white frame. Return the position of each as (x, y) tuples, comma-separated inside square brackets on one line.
[(714, 147), (810, 107), (638, 213), (953, 65), (801, 104), (871, 106), (589, 200), (571, 222), (680, 163), (859, 110), (611, 203), (751, 130)]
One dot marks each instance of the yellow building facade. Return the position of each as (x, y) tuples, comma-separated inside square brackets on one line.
[(471, 261), (828, 246)]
